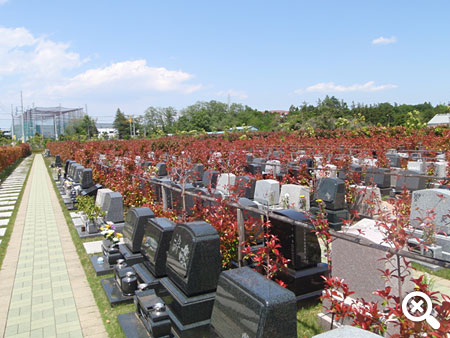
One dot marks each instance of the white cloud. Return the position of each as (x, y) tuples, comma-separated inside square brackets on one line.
[(3, 2), (384, 41), (127, 76), (233, 93), (325, 87)]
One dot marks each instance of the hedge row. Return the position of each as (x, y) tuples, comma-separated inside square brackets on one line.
[(9, 155)]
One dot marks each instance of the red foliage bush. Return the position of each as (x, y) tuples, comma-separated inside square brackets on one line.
[(9, 155)]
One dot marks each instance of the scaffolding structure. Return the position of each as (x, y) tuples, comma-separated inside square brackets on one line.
[(47, 121)]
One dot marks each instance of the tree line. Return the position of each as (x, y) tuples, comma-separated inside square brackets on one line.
[(213, 116)]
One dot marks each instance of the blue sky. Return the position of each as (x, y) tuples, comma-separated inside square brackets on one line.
[(266, 54)]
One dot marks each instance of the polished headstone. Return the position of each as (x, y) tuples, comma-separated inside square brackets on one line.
[(332, 192), (295, 197), (100, 199), (379, 176), (210, 178), (410, 182), (249, 305), (133, 232), (193, 260), (245, 186)]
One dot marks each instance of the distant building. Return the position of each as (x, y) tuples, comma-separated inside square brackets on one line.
[(282, 113), (439, 120), (106, 129), (244, 128)]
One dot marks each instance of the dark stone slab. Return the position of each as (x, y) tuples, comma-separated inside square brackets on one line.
[(161, 169), (113, 292), (131, 326), (245, 186), (298, 244), (177, 198), (249, 305), (209, 178), (133, 231), (187, 310), (379, 176), (155, 244), (331, 190), (101, 268), (86, 179), (153, 313), (193, 260), (410, 183), (58, 161), (78, 173), (92, 191), (394, 160)]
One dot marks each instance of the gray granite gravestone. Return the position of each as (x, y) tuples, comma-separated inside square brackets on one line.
[(161, 169), (410, 183), (113, 206), (245, 186), (267, 192), (86, 179)]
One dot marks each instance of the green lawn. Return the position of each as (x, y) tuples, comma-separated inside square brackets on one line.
[(443, 273)]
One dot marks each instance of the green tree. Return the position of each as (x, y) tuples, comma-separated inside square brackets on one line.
[(122, 125)]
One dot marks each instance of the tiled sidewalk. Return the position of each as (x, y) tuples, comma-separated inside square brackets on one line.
[(43, 301)]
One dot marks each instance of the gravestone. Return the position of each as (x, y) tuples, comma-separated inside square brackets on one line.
[(72, 170), (209, 178), (86, 179), (295, 197), (193, 267), (410, 183), (332, 192), (78, 172), (245, 186), (67, 167), (58, 163), (301, 246), (155, 243), (100, 199), (249, 305), (440, 168), (419, 166), (435, 204), (267, 192), (360, 269), (253, 168), (260, 162), (113, 206), (329, 170), (161, 169), (177, 198), (379, 176), (352, 172), (346, 331), (394, 160), (248, 158), (133, 232), (225, 183), (273, 167), (197, 172), (367, 201)]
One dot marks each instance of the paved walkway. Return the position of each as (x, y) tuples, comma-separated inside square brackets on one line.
[(43, 286)]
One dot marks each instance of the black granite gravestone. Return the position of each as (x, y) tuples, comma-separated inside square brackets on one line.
[(155, 244), (92, 191), (245, 186), (86, 179), (161, 169), (209, 178), (58, 163), (261, 162), (301, 246), (73, 169), (197, 172), (177, 198), (249, 305), (253, 168), (193, 267), (133, 232), (248, 158), (78, 172), (67, 167), (331, 191)]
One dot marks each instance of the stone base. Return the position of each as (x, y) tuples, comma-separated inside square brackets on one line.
[(102, 268), (114, 293), (131, 326), (186, 311), (306, 284), (86, 234), (194, 330), (334, 217), (385, 191)]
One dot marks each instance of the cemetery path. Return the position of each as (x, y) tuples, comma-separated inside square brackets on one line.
[(45, 292)]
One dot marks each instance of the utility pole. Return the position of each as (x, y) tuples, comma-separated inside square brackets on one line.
[(130, 120), (12, 126), (23, 127)]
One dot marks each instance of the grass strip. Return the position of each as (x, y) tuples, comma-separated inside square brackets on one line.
[(9, 228), (109, 314), (443, 273)]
